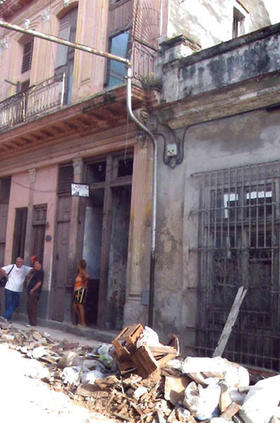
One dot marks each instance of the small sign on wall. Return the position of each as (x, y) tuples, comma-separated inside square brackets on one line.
[(80, 190)]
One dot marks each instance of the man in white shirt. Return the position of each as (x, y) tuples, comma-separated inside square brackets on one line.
[(16, 274)]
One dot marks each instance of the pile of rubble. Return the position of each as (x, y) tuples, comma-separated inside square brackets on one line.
[(137, 379)]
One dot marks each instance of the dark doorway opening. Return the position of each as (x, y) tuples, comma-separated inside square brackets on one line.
[(19, 233), (118, 251), (92, 251)]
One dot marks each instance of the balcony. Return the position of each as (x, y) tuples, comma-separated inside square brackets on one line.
[(32, 103)]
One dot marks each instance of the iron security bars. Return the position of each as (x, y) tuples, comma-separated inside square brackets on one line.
[(238, 245)]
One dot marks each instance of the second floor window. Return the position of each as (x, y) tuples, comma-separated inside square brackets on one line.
[(237, 23), (116, 70), (65, 55), (27, 56)]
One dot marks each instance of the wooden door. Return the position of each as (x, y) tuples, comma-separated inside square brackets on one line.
[(39, 220), (61, 258)]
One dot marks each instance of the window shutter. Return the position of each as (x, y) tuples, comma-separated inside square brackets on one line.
[(67, 31), (27, 56), (65, 178), (61, 52)]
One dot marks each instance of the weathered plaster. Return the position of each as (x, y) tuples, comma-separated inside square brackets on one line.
[(209, 23), (250, 56), (210, 146)]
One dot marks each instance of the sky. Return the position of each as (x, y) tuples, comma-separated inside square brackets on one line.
[(273, 8)]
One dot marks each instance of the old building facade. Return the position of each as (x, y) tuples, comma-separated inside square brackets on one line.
[(64, 119), (218, 218)]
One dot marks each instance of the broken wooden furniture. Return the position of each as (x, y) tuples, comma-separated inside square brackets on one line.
[(144, 359)]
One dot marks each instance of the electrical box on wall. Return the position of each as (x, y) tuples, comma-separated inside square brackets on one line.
[(171, 150)]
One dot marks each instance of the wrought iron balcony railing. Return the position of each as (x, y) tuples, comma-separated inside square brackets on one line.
[(38, 99)]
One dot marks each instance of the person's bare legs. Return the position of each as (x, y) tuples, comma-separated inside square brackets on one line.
[(76, 311), (82, 314)]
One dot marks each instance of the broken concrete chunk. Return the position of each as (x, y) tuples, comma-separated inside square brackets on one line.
[(262, 401), (141, 390), (276, 416), (182, 414), (207, 368), (174, 388), (202, 402), (71, 375), (91, 376), (39, 352)]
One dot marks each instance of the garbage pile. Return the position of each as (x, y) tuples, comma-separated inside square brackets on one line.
[(137, 379)]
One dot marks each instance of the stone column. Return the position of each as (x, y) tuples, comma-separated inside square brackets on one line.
[(137, 297), (74, 226), (73, 242)]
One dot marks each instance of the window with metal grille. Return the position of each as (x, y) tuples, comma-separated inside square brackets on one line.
[(27, 56), (238, 245)]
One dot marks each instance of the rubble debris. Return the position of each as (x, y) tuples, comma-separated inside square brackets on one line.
[(138, 349), (231, 410), (148, 386), (207, 369), (69, 359), (202, 402), (261, 401), (174, 388)]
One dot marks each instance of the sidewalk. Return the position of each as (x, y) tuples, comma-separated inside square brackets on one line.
[(85, 336)]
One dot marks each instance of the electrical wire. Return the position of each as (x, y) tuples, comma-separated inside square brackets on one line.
[(28, 187)]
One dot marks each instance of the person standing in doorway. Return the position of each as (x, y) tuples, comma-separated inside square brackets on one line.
[(80, 290), (34, 288), (16, 274)]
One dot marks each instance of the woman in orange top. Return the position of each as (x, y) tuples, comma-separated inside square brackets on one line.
[(80, 290)]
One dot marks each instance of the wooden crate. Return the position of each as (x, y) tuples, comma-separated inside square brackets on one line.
[(125, 342), (144, 361)]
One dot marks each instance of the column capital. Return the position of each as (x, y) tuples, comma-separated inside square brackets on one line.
[(32, 175), (78, 168)]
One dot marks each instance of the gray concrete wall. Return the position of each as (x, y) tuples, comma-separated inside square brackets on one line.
[(229, 63), (249, 138)]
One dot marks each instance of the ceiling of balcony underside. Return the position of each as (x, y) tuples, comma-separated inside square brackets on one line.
[(80, 120)]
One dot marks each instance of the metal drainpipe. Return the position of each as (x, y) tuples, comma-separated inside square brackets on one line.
[(154, 194)]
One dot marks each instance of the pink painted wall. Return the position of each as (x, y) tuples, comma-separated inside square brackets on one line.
[(44, 191)]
